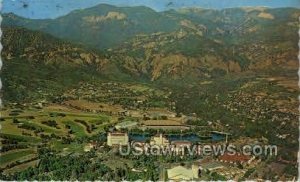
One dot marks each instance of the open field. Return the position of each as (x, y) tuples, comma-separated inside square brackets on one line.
[(93, 106)]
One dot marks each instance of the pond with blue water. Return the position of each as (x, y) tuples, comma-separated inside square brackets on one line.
[(175, 137)]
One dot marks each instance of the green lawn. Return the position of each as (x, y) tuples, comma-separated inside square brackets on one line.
[(11, 128), (100, 120), (21, 138), (15, 155), (78, 129), (47, 129)]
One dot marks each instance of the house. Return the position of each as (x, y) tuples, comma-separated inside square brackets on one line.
[(117, 138), (180, 173), (159, 140)]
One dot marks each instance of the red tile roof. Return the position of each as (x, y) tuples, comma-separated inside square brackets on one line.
[(234, 158)]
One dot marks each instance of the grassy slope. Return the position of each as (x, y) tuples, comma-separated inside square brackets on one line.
[(15, 155)]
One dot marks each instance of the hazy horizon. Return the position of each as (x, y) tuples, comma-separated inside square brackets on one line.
[(42, 9)]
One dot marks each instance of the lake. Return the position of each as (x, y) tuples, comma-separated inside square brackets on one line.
[(174, 137)]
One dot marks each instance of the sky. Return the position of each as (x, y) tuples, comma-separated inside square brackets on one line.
[(41, 9)]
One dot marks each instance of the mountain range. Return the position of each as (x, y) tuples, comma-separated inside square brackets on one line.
[(187, 44)]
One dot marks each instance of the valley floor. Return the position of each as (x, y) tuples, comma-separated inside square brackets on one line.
[(83, 116)]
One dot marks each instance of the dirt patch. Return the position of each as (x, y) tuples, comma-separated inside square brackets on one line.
[(266, 15), (92, 106)]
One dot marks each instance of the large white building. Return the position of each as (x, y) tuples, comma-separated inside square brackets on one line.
[(117, 139), (180, 173)]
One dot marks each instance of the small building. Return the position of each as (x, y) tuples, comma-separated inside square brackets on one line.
[(180, 173), (90, 146), (126, 124), (117, 138), (159, 140)]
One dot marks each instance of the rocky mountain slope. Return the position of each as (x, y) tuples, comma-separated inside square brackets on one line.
[(186, 44), (38, 64)]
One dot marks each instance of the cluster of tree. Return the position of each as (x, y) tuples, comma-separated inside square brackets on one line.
[(12, 137), (16, 121), (197, 122), (72, 167), (31, 127), (51, 123), (217, 177), (248, 173), (66, 140), (291, 170), (6, 148), (11, 143), (49, 137), (57, 115), (147, 167), (86, 167)]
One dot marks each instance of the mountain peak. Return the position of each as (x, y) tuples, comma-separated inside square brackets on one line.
[(101, 6)]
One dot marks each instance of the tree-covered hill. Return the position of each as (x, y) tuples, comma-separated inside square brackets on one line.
[(35, 63)]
